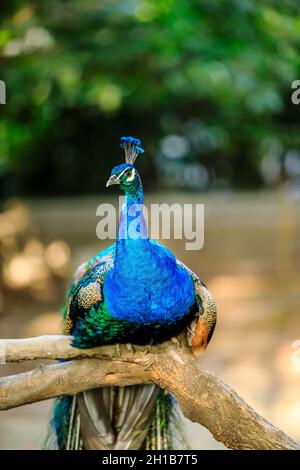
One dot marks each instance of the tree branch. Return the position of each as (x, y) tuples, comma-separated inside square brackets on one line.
[(203, 397)]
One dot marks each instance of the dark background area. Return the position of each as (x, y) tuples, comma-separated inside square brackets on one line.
[(205, 84)]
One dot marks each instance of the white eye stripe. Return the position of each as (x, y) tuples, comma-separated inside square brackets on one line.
[(132, 176), (124, 171)]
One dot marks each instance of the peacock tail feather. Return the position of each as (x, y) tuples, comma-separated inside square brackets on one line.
[(160, 435), (135, 430)]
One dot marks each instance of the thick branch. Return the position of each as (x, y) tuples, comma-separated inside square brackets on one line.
[(202, 396)]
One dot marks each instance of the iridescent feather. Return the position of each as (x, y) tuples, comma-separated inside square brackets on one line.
[(137, 292)]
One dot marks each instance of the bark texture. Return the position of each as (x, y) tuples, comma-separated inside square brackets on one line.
[(203, 397)]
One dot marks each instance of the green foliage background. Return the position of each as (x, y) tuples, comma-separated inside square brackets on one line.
[(80, 73)]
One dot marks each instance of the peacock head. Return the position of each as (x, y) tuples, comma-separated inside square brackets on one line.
[(125, 175)]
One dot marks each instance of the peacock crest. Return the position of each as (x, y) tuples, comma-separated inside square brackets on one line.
[(132, 147)]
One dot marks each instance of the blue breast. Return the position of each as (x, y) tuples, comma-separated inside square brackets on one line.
[(147, 285)]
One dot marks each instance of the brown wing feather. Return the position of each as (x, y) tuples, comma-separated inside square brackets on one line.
[(203, 326)]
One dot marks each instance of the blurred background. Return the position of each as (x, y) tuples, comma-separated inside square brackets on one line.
[(207, 86)]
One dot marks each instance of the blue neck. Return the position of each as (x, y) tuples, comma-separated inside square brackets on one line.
[(132, 238), (146, 284)]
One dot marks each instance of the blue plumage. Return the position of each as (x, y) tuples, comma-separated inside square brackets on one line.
[(137, 292), (146, 284), (145, 295)]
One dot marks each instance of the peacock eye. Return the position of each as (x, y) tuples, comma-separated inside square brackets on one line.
[(127, 173)]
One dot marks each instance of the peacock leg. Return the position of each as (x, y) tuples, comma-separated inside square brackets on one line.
[(147, 349), (130, 347), (176, 341)]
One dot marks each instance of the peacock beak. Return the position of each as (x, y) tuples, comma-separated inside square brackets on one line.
[(114, 179)]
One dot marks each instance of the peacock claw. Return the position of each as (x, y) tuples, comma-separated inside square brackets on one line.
[(175, 341), (130, 347), (147, 349), (118, 349)]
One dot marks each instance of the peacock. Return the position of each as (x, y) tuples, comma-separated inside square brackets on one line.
[(133, 292)]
